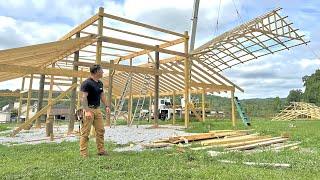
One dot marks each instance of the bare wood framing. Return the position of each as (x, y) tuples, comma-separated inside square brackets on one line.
[(142, 52), (43, 110), (141, 24), (38, 70), (140, 45)]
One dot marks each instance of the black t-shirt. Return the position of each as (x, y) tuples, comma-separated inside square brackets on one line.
[(94, 90)]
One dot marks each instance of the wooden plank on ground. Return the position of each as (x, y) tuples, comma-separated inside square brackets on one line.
[(286, 146), (202, 136), (253, 141), (259, 144), (275, 165), (157, 145), (228, 140), (161, 140), (235, 144)]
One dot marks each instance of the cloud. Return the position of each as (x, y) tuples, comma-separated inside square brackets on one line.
[(15, 33), (45, 11), (307, 63)]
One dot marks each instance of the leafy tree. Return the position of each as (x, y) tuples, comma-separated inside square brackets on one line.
[(276, 104), (295, 95), (312, 85)]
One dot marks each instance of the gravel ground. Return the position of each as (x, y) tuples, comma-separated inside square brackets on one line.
[(132, 136)]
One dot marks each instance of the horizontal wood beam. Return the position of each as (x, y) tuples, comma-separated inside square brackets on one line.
[(142, 25), (170, 93), (36, 99), (127, 68), (47, 71), (58, 84), (9, 94), (142, 52), (140, 45), (212, 87), (132, 33)]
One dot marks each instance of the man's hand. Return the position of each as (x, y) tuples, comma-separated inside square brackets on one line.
[(88, 114), (107, 109)]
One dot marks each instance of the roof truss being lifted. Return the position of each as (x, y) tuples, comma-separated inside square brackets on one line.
[(261, 36)]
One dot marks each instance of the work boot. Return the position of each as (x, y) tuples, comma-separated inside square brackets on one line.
[(85, 156), (103, 153)]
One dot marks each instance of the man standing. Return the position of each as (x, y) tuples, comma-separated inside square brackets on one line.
[(92, 89)]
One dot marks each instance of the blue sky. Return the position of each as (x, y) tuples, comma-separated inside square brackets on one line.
[(25, 22)]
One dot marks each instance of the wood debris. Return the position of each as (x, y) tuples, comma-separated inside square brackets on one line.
[(230, 140)]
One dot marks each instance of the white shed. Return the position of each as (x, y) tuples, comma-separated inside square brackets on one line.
[(4, 117)]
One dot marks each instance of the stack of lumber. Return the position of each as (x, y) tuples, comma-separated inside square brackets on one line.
[(228, 139)]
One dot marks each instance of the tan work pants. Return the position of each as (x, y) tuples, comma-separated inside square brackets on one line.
[(97, 123)]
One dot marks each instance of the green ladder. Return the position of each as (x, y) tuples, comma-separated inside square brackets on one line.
[(242, 114)]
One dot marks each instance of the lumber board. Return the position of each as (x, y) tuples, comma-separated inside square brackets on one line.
[(286, 146), (156, 145), (201, 136), (248, 142), (259, 144), (275, 165), (228, 139)]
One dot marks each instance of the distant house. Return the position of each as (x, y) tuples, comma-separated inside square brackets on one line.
[(60, 113), (4, 117)]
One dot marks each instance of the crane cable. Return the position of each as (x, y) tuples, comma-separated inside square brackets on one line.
[(217, 23)]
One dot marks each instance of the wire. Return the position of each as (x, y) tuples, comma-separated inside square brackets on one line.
[(313, 52), (237, 11), (217, 24)]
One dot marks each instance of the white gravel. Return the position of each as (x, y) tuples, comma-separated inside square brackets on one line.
[(132, 136)]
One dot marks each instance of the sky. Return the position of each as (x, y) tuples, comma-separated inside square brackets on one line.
[(27, 22)]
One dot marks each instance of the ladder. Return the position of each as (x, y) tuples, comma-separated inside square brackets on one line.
[(142, 96), (119, 106), (242, 114)]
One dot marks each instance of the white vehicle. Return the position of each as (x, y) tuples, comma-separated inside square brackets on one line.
[(165, 109)]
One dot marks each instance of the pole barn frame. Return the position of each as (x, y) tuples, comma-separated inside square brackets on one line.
[(180, 72)]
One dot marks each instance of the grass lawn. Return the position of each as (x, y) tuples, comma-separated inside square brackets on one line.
[(62, 161)]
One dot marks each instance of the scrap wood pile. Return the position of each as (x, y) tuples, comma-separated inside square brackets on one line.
[(228, 139)]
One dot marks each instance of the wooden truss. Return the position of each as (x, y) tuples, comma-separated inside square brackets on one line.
[(298, 110), (261, 36)]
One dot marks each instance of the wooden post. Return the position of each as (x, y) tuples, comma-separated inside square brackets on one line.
[(98, 49), (100, 34), (150, 106), (233, 114), (79, 94), (40, 99), (49, 120), (29, 96), (72, 116), (174, 107), (186, 81), (20, 98), (203, 105), (156, 89), (109, 100), (130, 99)]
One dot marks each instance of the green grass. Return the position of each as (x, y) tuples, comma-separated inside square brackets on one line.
[(3, 127), (62, 161)]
